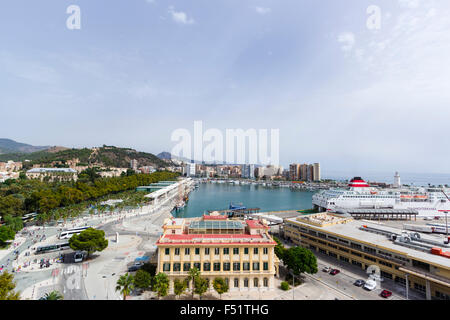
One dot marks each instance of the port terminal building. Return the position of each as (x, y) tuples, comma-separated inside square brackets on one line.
[(417, 261)]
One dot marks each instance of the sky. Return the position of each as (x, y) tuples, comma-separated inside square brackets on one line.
[(354, 97)]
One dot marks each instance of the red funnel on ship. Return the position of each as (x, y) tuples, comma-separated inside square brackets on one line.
[(358, 182)]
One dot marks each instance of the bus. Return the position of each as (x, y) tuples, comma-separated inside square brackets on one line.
[(67, 234), (52, 247)]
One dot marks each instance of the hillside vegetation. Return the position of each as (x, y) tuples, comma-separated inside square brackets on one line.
[(108, 156)]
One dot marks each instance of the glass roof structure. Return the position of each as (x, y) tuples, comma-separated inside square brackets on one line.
[(216, 225)]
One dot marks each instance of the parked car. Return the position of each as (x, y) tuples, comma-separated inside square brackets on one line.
[(370, 285), (133, 268), (428, 218), (334, 272), (326, 269), (386, 293), (359, 283)]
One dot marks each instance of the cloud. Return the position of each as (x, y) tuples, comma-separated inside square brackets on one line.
[(348, 41), (262, 10), (412, 4), (180, 16)]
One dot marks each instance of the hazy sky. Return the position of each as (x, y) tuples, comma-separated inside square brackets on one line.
[(344, 95)]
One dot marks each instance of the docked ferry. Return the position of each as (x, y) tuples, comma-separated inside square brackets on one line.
[(427, 201)]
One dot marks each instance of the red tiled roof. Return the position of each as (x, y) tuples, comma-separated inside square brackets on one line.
[(183, 237), (255, 224), (219, 217)]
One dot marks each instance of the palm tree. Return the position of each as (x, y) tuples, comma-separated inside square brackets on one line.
[(194, 273), (54, 295), (125, 284)]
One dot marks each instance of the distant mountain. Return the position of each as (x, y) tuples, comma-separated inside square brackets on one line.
[(11, 146), (164, 155)]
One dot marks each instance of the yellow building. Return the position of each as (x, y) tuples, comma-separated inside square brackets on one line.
[(422, 260), (241, 252)]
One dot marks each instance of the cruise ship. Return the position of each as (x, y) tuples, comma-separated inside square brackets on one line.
[(427, 201)]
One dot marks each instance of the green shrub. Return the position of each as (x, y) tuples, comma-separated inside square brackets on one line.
[(285, 286)]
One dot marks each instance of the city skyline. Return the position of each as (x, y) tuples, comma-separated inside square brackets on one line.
[(341, 94)]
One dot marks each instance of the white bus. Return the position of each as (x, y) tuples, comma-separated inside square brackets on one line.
[(70, 232)]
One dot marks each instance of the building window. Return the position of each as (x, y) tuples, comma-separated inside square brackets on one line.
[(206, 266), (255, 250), (197, 250), (235, 250), (236, 282), (356, 254), (187, 251), (226, 266), (246, 283), (197, 265), (245, 251), (167, 250), (166, 267), (206, 250), (442, 296), (256, 266), (177, 251), (266, 251), (226, 250), (246, 266), (186, 266), (227, 282), (386, 275), (331, 254), (236, 266), (176, 267), (216, 251), (216, 266), (266, 282), (419, 287), (323, 251), (370, 258), (255, 282), (356, 263), (343, 259), (266, 266)]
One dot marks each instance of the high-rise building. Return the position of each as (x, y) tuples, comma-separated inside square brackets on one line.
[(190, 169), (294, 171), (248, 171), (134, 164), (316, 172)]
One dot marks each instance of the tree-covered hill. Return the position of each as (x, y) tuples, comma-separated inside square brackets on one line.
[(10, 146), (108, 156)]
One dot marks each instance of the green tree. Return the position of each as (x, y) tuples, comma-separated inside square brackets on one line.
[(125, 284), (6, 233), (300, 260), (201, 286), (142, 279), (15, 223), (7, 286), (54, 295), (220, 285), (193, 275), (162, 284), (279, 248), (89, 240), (11, 205), (179, 287)]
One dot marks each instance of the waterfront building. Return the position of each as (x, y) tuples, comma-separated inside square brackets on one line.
[(190, 169), (316, 172), (397, 183), (294, 171), (240, 251), (421, 261), (248, 171)]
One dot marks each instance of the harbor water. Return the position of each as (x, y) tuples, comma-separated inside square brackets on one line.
[(216, 196)]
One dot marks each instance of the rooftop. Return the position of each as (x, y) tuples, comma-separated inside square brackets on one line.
[(352, 230)]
